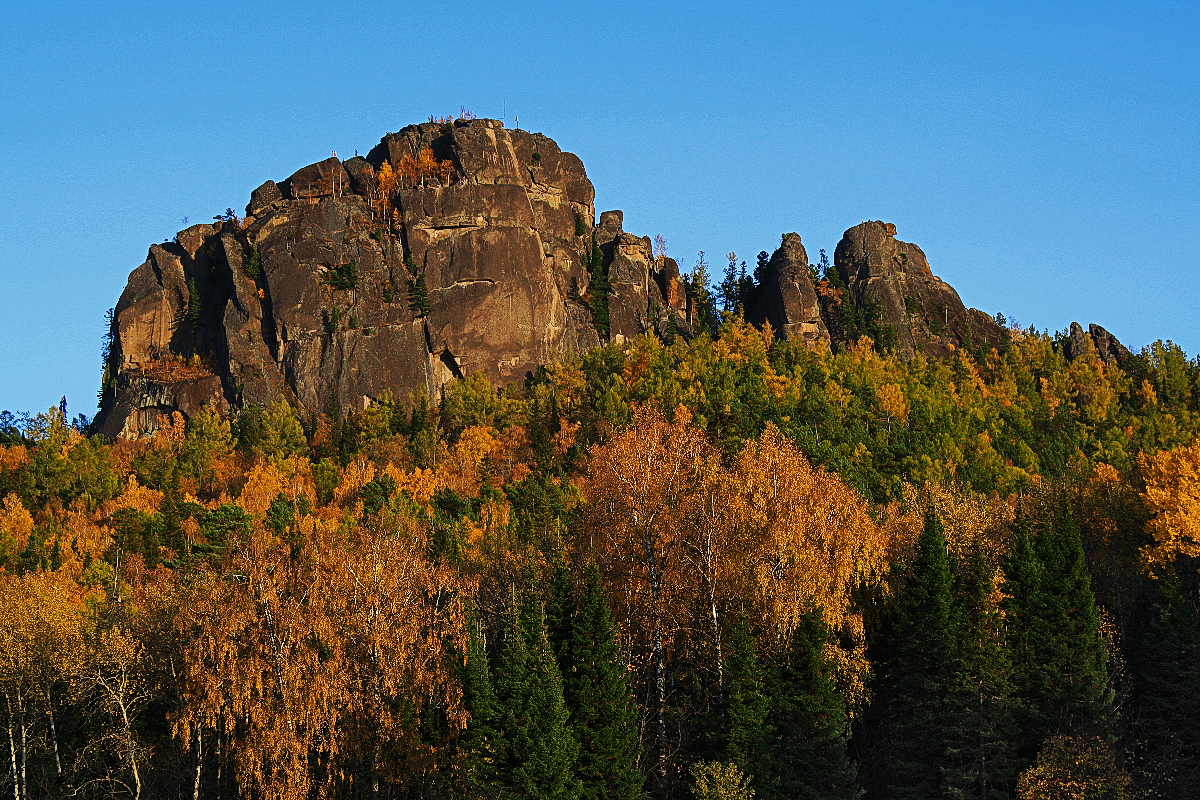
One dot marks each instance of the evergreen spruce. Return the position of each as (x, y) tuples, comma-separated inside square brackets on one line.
[(419, 300), (804, 755), (922, 680), (602, 710), (983, 738), (598, 289), (745, 703), (1167, 694), (1059, 660), (560, 619), (483, 748), (540, 749)]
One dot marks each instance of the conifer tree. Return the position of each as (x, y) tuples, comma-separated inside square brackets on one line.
[(983, 736), (601, 707), (1167, 691), (745, 703), (483, 748), (804, 755), (923, 674), (1059, 660), (540, 749), (560, 620)]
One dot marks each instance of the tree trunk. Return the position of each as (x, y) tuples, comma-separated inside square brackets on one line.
[(12, 749), (137, 777), (21, 722), (199, 762), (53, 731)]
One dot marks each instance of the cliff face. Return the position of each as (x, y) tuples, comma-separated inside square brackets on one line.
[(344, 282), (457, 248)]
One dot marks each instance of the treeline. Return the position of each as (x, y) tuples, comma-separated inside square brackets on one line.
[(721, 567)]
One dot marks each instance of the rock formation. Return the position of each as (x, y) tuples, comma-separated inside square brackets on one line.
[(455, 248), (788, 300), (451, 248), (1106, 346)]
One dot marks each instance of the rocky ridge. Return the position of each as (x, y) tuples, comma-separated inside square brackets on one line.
[(454, 248)]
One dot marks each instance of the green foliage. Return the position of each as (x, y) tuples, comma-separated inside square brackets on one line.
[(745, 703), (704, 304), (419, 296), (225, 525), (376, 493), (603, 716), (541, 749), (194, 308), (281, 514), (984, 735), (483, 749), (333, 320), (274, 432), (921, 680), (598, 289), (253, 265), (580, 227), (343, 277), (1059, 658), (474, 401), (804, 751), (326, 476), (1166, 679)]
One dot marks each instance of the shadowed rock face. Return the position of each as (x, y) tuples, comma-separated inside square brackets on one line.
[(314, 296)]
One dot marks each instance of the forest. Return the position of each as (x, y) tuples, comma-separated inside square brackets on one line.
[(720, 567)]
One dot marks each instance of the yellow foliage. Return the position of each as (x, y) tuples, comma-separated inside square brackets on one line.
[(894, 401), (814, 540), (263, 485), (15, 457), (1173, 498), (16, 521), (139, 498)]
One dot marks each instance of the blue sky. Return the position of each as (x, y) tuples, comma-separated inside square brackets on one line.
[(1047, 160)]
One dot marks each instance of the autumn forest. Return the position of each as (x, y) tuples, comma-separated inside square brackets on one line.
[(722, 567)]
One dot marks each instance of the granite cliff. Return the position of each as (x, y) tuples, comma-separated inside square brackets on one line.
[(460, 247)]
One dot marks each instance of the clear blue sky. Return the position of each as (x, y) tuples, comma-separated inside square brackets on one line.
[(1048, 161)]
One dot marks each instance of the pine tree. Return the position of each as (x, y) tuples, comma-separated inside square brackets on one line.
[(560, 618), (1059, 660), (598, 289), (539, 762), (804, 754), (601, 707), (983, 737), (922, 679)]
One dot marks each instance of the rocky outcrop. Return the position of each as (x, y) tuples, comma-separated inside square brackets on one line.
[(338, 286), (788, 299), (891, 281), (1106, 346)]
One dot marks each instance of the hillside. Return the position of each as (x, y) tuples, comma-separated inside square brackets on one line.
[(444, 491)]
